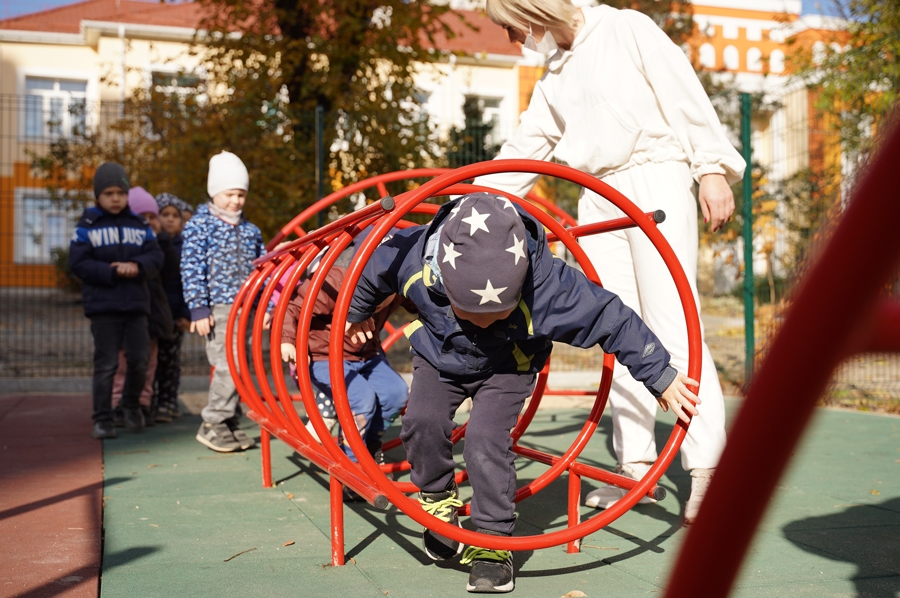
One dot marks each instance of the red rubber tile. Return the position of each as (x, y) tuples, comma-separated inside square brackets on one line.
[(51, 482)]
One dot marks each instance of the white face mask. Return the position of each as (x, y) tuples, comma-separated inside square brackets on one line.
[(547, 45)]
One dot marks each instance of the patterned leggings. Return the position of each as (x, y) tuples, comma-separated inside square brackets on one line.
[(168, 370)]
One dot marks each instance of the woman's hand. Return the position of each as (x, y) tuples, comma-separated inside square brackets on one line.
[(203, 326), (182, 324), (360, 332), (288, 352), (680, 398), (716, 200)]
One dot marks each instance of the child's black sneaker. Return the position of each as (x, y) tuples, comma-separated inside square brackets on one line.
[(442, 505), (217, 437), (149, 416), (163, 415), (118, 417), (492, 570), (245, 441), (103, 430), (134, 420)]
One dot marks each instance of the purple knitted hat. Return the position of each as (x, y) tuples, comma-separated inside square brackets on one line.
[(483, 254), (140, 201)]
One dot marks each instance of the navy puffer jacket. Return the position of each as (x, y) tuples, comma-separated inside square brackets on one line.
[(558, 304), (101, 238)]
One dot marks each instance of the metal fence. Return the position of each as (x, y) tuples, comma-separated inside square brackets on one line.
[(48, 150)]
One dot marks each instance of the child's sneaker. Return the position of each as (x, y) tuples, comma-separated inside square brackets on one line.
[(163, 414), (217, 437), (245, 441), (607, 495), (700, 479), (330, 423), (149, 416), (103, 430), (118, 417), (442, 505), (492, 570), (134, 420)]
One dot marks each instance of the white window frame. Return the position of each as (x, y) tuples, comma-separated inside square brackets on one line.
[(170, 68), (24, 232), (507, 117), (91, 98)]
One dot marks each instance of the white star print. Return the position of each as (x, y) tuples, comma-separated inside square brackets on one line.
[(489, 293), (507, 204), (477, 222), (517, 249), (450, 255)]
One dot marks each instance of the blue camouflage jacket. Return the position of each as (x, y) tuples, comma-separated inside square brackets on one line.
[(216, 258), (101, 238), (558, 303)]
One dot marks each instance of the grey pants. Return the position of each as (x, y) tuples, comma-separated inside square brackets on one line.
[(223, 402), (496, 402)]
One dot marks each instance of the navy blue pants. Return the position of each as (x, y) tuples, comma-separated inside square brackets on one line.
[(496, 403), (113, 332)]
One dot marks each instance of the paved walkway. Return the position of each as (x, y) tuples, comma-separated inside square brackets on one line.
[(181, 520)]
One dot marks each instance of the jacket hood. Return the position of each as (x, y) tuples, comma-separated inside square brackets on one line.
[(593, 15)]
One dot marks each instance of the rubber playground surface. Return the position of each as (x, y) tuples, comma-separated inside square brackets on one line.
[(181, 520)]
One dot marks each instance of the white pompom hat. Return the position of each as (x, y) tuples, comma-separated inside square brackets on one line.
[(226, 171)]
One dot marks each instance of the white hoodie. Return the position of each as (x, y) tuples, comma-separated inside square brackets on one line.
[(624, 95)]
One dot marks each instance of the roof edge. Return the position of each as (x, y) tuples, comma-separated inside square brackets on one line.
[(41, 37)]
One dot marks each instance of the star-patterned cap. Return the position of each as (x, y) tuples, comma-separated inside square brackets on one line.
[(483, 254)]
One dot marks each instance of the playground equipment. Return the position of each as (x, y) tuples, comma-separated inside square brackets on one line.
[(837, 312), (276, 414)]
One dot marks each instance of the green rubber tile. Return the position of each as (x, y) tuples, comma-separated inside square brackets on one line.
[(886, 587), (831, 530), (249, 575)]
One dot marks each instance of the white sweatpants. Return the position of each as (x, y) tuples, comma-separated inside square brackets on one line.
[(629, 265)]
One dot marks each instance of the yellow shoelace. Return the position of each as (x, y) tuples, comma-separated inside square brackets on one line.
[(473, 553), (441, 509)]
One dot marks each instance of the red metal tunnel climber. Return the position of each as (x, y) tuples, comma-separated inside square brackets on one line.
[(274, 408)]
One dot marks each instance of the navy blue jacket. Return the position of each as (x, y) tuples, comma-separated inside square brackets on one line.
[(101, 238), (558, 303), (171, 279)]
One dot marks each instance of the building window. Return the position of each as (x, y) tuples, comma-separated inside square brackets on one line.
[(175, 82), (754, 60), (776, 61), (730, 31), (42, 225), (707, 56), (732, 58), (54, 107), (754, 33)]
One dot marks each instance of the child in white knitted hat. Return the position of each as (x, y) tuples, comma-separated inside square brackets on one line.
[(219, 248)]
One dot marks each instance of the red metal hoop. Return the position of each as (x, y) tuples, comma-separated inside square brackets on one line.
[(368, 465)]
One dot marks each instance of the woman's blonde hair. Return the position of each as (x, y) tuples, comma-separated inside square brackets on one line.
[(522, 13)]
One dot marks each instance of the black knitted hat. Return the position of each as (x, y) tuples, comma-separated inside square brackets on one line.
[(483, 254), (108, 175)]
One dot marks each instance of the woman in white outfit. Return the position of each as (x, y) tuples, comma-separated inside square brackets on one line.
[(621, 101)]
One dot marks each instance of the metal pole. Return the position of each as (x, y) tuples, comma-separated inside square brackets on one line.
[(746, 150), (320, 160)]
